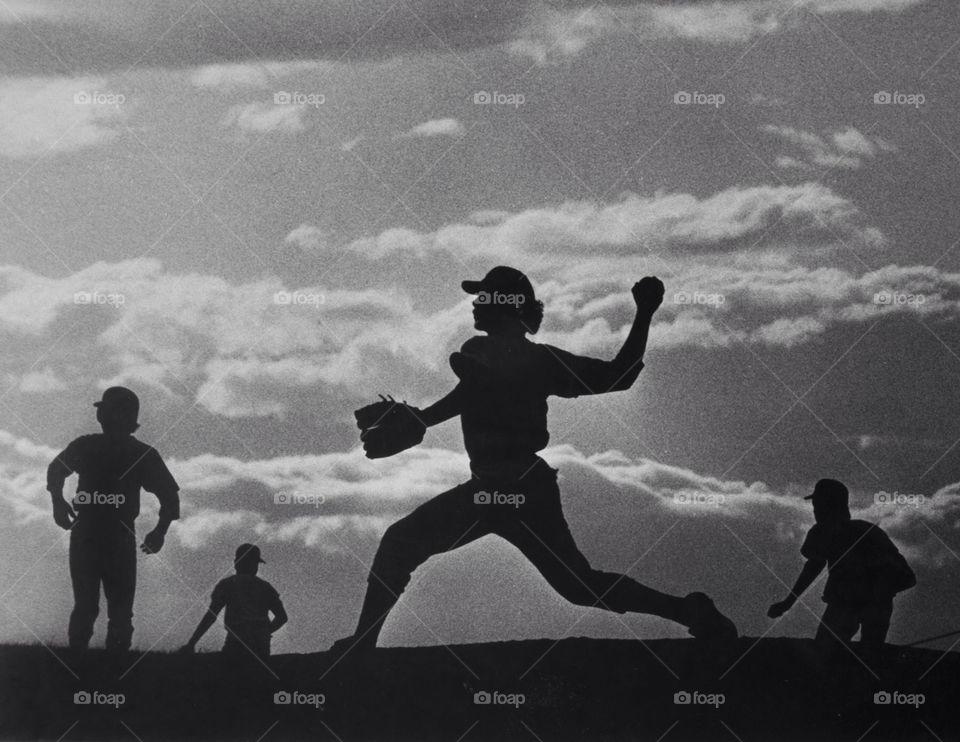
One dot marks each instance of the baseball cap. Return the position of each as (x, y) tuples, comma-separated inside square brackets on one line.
[(830, 490), (504, 280), (120, 399), (248, 552)]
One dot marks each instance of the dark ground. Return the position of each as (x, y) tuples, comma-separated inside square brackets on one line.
[(583, 689)]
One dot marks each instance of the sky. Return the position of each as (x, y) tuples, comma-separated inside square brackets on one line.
[(257, 215)]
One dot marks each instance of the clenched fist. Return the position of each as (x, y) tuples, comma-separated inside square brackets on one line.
[(648, 293)]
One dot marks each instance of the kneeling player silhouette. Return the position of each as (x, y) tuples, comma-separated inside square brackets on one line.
[(501, 399)]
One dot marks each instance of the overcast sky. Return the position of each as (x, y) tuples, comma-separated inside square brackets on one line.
[(789, 169)]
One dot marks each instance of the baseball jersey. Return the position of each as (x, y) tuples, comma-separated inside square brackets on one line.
[(111, 472)]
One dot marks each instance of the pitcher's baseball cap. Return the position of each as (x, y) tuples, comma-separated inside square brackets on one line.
[(248, 553), (503, 280), (831, 492), (121, 400)]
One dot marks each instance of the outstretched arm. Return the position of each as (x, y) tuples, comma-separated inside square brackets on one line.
[(443, 409), (811, 570)]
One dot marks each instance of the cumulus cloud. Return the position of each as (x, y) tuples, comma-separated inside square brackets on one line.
[(681, 223), (111, 35), (846, 148), (552, 35), (59, 114), (443, 127), (320, 501), (227, 78), (260, 118)]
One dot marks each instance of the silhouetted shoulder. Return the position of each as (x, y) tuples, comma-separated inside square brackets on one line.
[(813, 545)]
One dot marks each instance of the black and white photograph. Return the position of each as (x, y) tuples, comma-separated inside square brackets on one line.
[(466, 371)]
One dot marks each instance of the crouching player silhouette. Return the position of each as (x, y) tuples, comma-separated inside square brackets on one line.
[(501, 398), (866, 571)]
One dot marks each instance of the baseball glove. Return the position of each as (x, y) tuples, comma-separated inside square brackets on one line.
[(388, 427)]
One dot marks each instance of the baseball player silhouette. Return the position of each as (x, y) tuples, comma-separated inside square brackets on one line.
[(501, 398), (112, 467), (866, 571)]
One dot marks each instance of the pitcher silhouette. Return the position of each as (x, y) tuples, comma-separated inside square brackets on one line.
[(501, 398)]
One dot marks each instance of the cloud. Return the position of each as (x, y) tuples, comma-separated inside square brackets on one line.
[(58, 114), (40, 382), (113, 34), (846, 148), (550, 35), (260, 118), (322, 501), (444, 127), (680, 223), (228, 78), (309, 238)]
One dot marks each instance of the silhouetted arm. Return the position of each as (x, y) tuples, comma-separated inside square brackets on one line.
[(161, 483), (279, 616), (578, 375), (57, 474), (443, 409), (811, 570), (624, 369), (208, 620)]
